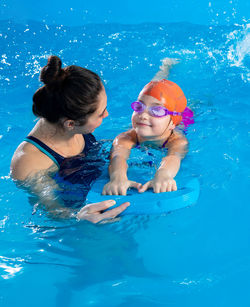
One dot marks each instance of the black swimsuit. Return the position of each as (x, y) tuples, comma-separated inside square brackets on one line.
[(75, 173)]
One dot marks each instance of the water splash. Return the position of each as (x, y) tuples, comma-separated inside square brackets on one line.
[(240, 46)]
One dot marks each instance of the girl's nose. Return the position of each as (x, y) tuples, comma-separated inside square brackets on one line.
[(143, 114)]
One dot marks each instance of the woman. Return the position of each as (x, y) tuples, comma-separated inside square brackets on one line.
[(71, 105)]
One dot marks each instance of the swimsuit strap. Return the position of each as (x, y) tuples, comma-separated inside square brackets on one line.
[(89, 140), (163, 145), (54, 156), (137, 145)]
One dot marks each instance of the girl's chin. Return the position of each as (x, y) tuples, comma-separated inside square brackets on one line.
[(143, 134), (146, 135)]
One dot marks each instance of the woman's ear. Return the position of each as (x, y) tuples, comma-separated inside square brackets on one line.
[(69, 124)]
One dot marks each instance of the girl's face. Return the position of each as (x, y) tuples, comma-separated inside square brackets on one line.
[(148, 127)]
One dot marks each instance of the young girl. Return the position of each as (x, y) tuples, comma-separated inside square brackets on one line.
[(161, 106)]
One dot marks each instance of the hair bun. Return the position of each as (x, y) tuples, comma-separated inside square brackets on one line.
[(52, 71)]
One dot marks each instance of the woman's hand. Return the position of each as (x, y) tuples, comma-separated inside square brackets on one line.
[(160, 183), (119, 187), (94, 212)]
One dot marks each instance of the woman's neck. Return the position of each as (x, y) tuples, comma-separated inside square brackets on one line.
[(52, 132), (64, 142)]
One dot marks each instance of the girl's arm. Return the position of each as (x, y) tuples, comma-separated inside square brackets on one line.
[(177, 149), (170, 165), (118, 166)]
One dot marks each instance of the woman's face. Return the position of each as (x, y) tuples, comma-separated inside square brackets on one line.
[(96, 118), (146, 126)]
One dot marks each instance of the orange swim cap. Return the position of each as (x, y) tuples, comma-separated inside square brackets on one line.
[(174, 97)]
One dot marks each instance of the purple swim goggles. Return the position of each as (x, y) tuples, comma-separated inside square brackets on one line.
[(155, 111)]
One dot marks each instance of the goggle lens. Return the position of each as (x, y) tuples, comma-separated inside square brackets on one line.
[(137, 106), (156, 111)]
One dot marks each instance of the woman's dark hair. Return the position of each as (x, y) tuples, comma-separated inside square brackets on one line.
[(69, 92)]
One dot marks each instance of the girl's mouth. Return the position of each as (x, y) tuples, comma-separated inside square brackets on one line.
[(143, 124)]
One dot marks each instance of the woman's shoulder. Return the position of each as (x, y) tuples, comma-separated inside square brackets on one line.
[(28, 160)]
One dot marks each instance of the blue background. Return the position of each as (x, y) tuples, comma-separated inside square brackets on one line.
[(126, 12)]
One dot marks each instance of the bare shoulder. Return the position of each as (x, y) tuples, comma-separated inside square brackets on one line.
[(177, 144), (126, 139), (177, 137), (27, 161)]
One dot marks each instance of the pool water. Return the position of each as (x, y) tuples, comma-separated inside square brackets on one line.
[(197, 256)]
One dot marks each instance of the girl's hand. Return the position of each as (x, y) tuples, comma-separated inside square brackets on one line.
[(119, 187), (161, 183), (94, 212)]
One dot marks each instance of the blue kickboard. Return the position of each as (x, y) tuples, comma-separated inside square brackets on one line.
[(148, 202)]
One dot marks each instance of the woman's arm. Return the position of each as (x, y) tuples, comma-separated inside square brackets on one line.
[(118, 166), (33, 174), (170, 165), (43, 187), (27, 161)]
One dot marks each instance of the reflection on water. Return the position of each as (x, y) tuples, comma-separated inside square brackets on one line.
[(9, 267)]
